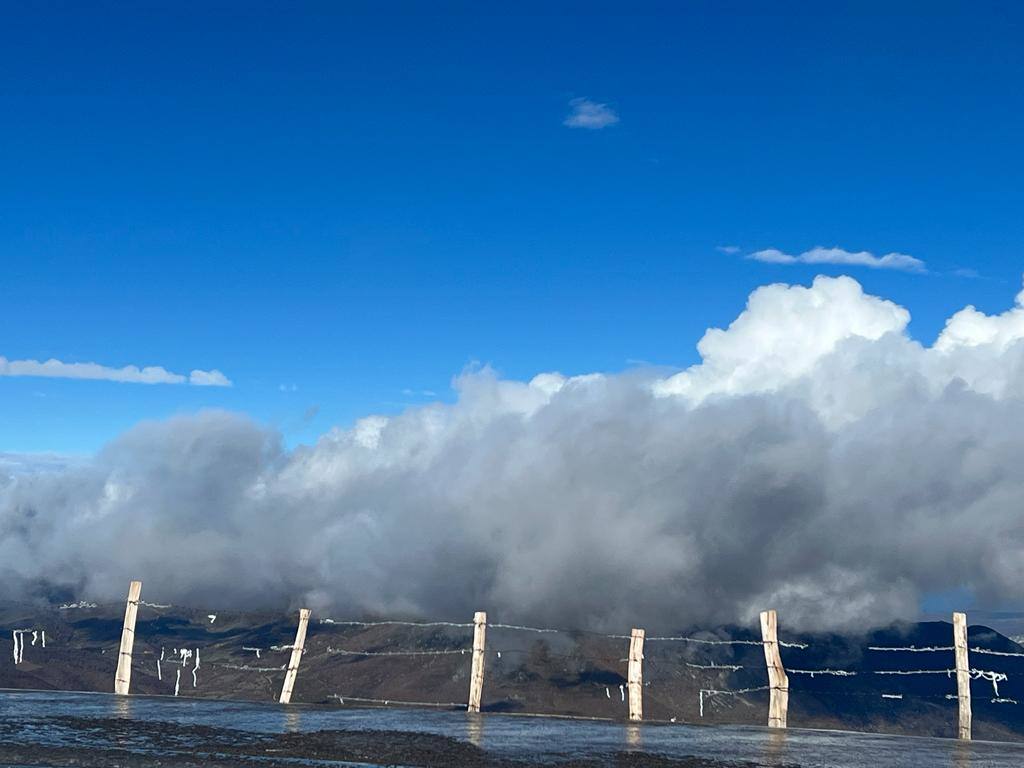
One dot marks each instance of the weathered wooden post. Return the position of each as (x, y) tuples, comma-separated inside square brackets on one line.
[(123, 675), (635, 675), (293, 663), (963, 674), (778, 682), (476, 675)]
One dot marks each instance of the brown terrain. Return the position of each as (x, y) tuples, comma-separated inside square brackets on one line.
[(555, 673)]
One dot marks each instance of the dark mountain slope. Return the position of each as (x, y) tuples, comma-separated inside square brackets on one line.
[(568, 673)]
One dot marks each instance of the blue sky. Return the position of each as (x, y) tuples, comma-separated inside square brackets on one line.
[(341, 206)]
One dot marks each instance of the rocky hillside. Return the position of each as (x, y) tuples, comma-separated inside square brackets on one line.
[(216, 654)]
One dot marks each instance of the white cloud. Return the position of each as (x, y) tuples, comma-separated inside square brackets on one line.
[(970, 328), (817, 459), (845, 350), (56, 369), (781, 335), (728, 249), (585, 113), (819, 255), (212, 378), (773, 256)]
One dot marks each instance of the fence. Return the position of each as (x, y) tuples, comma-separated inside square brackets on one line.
[(451, 640)]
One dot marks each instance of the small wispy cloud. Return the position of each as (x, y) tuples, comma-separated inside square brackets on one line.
[(130, 374), (584, 113), (409, 392), (967, 272), (819, 255), (729, 249)]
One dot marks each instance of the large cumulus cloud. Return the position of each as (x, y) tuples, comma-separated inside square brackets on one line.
[(818, 460)]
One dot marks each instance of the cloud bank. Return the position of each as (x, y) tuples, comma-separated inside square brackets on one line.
[(584, 113), (154, 374), (819, 255), (817, 460), (31, 463)]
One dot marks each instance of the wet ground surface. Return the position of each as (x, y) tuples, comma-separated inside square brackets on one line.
[(86, 730), (87, 742)]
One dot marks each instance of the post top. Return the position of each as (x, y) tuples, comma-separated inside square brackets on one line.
[(637, 632), (480, 617)]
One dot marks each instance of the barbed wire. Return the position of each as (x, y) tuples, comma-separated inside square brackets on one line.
[(873, 694), (730, 667), (249, 668), (564, 656), (701, 640), (989, 652), (813, 672), (993, 677), (542, 630), (347, 652), (976, 674), (353, 623), (706, 641), (649, 638), (386, 702)]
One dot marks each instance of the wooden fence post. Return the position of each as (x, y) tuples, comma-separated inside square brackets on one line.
[(293, 663), (476, 675), (635, 675), (963, 674), (778, 682), (123, 675)]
